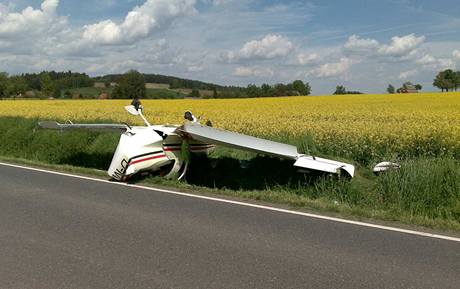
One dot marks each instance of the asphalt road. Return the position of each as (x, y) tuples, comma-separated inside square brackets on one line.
[(63, 232)]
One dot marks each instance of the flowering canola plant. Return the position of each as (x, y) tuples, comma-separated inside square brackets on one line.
[(358, 126)]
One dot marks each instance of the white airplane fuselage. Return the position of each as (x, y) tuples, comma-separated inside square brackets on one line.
[(142, 148)]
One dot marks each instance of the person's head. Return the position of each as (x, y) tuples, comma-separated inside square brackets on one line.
[(188, 115), (136, 102)]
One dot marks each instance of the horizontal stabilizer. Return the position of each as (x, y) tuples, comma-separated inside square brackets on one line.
[(324, 165), (89, 126), (216, 136)]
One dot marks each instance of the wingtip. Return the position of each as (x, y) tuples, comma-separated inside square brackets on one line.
[(349, 169)]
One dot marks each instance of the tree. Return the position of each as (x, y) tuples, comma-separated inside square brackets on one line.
[(440, 82), (391, 89), (266, 90), (302, 88), (307, 88), (340, 89), (17, 85), (418, 86), (214, 93), (252, 91), (3, 84), (195, 93), (290, 90), (47, 86), (407, 84), (447, 79), (456, 80), (174, 84), (130, 85), (280, 89), (56, 92)]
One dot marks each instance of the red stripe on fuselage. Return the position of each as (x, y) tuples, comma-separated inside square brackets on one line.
[(171, 149), (147, 159)]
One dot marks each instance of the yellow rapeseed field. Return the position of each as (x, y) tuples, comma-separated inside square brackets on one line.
[(343, 124)]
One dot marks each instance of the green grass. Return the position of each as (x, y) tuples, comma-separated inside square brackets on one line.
[(425, 191), (428, 187), (158, 93), (21, 138)]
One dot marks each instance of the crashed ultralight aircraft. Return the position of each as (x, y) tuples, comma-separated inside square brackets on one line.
[(158, 148)]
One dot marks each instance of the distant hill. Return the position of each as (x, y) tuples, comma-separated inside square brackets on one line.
[(174, 82), (70, 84)]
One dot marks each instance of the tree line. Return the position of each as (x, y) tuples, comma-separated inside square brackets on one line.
[(48, 83), (174, 82), (132, 84), (297, 87), (340, 90)]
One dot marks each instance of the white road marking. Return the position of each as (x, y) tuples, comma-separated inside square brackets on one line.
[(358, 223)]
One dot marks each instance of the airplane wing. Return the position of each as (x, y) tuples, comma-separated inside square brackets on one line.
[(89, 126), (217, 136)]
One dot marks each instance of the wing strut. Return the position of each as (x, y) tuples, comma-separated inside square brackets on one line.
[(90, 126)]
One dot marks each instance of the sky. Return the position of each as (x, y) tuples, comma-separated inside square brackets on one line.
[(363, 45)]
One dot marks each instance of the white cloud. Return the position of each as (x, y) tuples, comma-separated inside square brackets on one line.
[(334, 69), (103, 32), (195, 68), (244, 71), (29, 21), (33, 31), (406, 74), (357, 44), (445, 63), (271, 46), (161, 52), (401, 46), (217, 2), (49, 6), (139, 22), (306, 59), (456, 54), (430, 62), (427, 59)]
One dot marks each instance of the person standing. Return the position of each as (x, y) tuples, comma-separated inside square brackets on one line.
[(136, 103)]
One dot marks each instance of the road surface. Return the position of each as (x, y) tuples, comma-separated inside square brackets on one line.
[(63, 232)]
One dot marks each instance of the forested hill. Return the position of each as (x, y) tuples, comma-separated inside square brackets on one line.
[(80, 85), (174, 82)]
